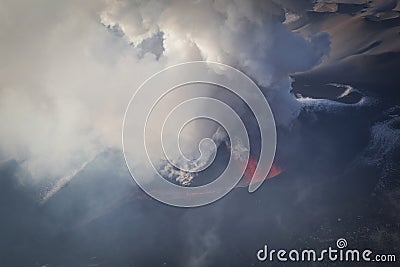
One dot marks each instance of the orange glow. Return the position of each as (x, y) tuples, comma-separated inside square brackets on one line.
[(251, 168)]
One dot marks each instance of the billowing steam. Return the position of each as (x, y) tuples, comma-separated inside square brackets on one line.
[(70, 68)]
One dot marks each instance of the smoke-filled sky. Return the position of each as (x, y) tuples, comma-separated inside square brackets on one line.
[(69, 68)]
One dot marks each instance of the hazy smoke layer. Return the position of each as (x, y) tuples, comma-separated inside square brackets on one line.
[(68, 69)]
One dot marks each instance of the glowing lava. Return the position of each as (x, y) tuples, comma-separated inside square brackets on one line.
[(251, 168)]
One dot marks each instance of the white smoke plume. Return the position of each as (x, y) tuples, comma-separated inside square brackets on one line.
[(69, 68), (168, 171)]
